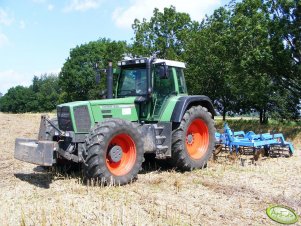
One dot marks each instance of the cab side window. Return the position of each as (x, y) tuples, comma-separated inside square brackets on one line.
[(181, 80), (164, 86)]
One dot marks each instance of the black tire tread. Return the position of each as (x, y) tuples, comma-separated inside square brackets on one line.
[(180, 157), (96, 144)]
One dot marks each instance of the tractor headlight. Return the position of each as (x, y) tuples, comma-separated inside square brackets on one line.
[(64, 118)]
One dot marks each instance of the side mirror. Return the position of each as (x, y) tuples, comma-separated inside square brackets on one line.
[(163, 71)]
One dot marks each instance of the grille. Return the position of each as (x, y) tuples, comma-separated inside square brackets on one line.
[(64, 118), (82, 119)]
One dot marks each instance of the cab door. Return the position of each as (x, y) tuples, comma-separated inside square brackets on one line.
[(163, 88)]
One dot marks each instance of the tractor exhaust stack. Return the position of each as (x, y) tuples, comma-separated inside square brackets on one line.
[(110, 81)]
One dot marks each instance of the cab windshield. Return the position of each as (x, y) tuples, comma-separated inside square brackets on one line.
[(132, 82)]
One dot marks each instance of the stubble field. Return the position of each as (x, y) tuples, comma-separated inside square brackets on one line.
[(227, 192)]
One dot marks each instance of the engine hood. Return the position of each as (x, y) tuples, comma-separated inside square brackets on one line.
[(113, 102), (122, 108), (84, 114)]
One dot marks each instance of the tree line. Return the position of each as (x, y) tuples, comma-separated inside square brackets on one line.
[(42, 96), (246, 57)]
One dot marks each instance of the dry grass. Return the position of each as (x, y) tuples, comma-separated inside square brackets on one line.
[(225, 193)]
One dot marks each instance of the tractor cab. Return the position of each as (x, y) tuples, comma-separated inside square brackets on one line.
[(152, 82)]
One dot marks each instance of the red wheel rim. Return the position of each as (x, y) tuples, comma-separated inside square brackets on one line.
[(197, 139), (128, 158)]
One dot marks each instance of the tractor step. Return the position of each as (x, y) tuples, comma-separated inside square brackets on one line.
[(161, 152), (162, 147), (160, 139), (158, 129), (163, 140)]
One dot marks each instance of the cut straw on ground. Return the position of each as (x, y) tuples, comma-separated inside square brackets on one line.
[(227, 192)]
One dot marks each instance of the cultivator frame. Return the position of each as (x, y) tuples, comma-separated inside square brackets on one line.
[(251, 141)]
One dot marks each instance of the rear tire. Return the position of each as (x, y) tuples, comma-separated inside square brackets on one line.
[(114, 152), (193, 141)]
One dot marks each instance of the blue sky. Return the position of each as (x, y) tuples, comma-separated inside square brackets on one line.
[(37, 35)]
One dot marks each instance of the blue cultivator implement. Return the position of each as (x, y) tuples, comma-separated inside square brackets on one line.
[(253, 142)]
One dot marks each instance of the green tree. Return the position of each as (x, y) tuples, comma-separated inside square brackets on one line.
[(41, 96), (236, 60), (77, 77), (285, 34), (210, 55), (18, 99), (166, 32), (287, 24), (250, 34), (46, 89), (262, 62)]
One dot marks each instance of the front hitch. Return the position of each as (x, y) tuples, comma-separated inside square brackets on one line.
[(41, 151), (36, 152), (44, 124)]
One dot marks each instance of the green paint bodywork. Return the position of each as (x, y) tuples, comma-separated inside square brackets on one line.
[(167, 109), (122, 108), (99, 110)]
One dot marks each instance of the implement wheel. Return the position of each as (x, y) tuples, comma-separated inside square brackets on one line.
[(114, 152), (194, 139)]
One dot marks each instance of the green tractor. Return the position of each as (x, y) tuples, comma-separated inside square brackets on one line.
[(151, 112)]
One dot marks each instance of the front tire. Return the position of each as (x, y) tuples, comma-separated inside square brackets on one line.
[(114, 152), (194, 139)]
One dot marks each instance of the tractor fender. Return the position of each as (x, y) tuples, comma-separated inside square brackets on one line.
[(186, 102)]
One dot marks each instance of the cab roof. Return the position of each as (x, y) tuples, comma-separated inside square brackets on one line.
[(171, 63)]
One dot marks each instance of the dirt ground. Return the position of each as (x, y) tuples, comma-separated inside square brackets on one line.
[(227, 192)]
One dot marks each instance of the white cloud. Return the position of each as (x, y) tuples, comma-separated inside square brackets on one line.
[(124, 17), (22, 24), (5, 18), (50, 7), (82, 5), (3, 40), (11, 78)]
